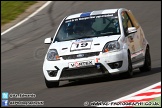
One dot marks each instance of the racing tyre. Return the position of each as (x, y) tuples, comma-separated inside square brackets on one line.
[(50, 84), (147, 63), (129, 72)]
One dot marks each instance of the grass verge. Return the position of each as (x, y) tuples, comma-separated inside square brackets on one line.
[(10, 10)]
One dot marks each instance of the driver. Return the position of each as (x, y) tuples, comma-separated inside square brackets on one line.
[(83, 28)]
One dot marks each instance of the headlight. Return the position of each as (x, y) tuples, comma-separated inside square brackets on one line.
[(52, 55), (111, 46)]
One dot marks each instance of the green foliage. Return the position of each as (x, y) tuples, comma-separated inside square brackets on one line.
[(10, 10)]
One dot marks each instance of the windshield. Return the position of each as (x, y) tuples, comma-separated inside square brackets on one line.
[(86, 27)]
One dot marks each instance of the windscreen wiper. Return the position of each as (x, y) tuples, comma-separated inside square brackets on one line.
[(108, 33), (89, 36)]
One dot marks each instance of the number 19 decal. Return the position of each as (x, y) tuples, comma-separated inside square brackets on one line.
[(80, 46)]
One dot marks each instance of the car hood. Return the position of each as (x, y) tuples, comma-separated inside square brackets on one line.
[(86, 45)]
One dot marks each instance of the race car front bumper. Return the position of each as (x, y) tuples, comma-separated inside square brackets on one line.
[(104, 63)]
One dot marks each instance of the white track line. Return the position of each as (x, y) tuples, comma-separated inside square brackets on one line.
[(153, 90), (135, 93), (42, 7)]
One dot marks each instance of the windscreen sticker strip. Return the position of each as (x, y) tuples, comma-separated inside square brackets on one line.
[(89, 17)]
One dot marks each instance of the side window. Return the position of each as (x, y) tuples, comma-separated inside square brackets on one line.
[(133, 19), (126, 21)]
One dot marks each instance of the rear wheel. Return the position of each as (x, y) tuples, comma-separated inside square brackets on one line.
[(129, 72), (147, 63), (51, 84)]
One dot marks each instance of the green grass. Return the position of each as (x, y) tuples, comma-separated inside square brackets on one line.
[(152, 103), (10, 10)]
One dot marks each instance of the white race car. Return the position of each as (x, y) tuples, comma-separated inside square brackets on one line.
[(96, 43)]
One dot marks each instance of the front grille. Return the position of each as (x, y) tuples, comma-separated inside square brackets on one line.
[(83, 55), (82, 71)]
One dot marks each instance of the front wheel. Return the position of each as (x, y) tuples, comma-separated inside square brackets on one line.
[(147, 63), (51, 84), (129, 72)]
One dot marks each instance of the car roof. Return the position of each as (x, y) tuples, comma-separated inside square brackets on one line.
[(96, 12)]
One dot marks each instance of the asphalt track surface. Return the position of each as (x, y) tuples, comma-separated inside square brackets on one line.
[(23, 51)]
